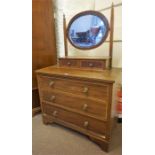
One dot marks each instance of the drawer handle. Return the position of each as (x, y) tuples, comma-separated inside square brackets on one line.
[(86, 123), (85, 106), (68, 63), (53, 98), (104, 137), (85, 90), (90, 64), (55, 113), (51, 83)]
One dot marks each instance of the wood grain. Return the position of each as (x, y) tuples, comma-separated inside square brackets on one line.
[(95, 90), (79, 99), (105, 76), (84, 63), (76, 119), (43, 40), (65, 35), (81, 104), (111, 35)]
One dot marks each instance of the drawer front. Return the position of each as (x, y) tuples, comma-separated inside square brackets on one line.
[(93, 64), (69, 63), (87, 89), (76, 119), (81, 104)]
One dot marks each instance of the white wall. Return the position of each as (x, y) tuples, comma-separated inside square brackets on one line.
[(70, 8)]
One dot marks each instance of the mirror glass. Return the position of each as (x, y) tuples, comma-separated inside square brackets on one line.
[(88, 30)]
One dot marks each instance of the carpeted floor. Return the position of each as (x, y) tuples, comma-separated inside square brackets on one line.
[(57, 140)]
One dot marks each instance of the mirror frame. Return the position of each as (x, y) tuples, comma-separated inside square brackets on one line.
[(89, 12)]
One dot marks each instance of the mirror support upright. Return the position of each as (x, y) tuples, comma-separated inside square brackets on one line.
[(65, 36), (111, 36)]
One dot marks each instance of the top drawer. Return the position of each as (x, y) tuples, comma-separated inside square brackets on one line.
[(68, 63), (87, 89)]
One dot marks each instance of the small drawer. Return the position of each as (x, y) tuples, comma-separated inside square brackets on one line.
[(68, 63), (77, 87), (84, 122), (93, 64), (78, 103)]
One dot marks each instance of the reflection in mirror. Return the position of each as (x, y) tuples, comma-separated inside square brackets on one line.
[(87, 31)]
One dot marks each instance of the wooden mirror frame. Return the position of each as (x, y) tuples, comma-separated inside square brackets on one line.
[(90, 12)]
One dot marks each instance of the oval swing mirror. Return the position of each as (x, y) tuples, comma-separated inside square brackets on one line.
[(87, 30)]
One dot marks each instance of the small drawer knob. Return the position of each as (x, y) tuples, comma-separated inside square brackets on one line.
[(51, 83), (53, 98), (68, 63), (55, 113), (85, 90), (86, 123), (85, 106), (90, 64)]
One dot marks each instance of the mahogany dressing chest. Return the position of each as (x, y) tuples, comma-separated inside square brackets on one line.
[(78, 92), (79, 99)]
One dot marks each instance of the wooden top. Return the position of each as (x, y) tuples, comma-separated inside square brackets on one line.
[(109, 76), (89, 58)]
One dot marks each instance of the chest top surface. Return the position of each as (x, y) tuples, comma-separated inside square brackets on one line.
[(109, 76), (88, 58)]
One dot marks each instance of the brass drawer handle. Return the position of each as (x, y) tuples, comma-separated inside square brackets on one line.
[(104, 137), (55, 113), (44, 114), (85, 90), (51, 83), (85, 106), (86, 123), (53, 98)]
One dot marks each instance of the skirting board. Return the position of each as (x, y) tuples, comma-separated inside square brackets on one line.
[(36, 111)]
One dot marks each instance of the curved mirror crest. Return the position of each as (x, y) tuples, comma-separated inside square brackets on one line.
[(88, 30)]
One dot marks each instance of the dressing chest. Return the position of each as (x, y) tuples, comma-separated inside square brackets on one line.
[(78, 92), (78, 99)]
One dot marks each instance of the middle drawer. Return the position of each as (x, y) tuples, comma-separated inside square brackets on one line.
[(87, 106)]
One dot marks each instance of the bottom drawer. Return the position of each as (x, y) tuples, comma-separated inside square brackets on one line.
[(76, 119)]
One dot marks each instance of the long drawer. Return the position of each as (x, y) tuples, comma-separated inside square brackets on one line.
[(84, 122), (81, 104), (87, 89)]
